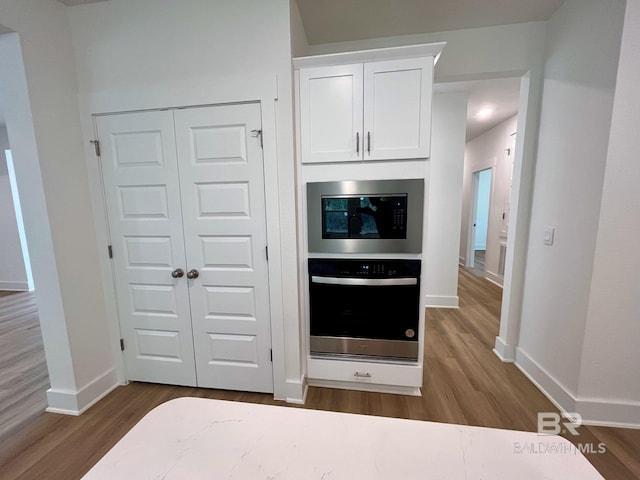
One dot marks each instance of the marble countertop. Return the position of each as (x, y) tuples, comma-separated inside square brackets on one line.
[(195, 438)]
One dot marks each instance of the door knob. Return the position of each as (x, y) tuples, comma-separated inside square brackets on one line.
[(193, 274), (177, 273)]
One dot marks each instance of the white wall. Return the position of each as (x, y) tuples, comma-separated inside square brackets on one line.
[(13, 275), (581, 61), (41, 108), (152, 54), (440, 266), (611, 354), (488, 151)]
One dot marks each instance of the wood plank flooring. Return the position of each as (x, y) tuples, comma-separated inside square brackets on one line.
[(464, 383), (23, 371), (478, 260), (6, 293)]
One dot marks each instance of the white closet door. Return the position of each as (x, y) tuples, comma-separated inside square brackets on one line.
[(331, 113), (397, 112), (138, 158), (222, 184)]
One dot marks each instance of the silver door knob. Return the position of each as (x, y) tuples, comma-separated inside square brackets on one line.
[(177, 273), (193, 274)]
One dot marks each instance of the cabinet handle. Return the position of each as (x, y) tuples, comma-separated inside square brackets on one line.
[(362, 375), (369, 143), (357, 143)]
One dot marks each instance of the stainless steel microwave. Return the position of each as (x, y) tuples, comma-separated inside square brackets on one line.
[(365, 216)]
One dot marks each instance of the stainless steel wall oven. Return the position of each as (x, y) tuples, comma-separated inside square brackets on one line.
[(369, 216), (364, 308)]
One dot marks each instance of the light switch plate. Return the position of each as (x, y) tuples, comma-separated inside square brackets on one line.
[(548, 235)]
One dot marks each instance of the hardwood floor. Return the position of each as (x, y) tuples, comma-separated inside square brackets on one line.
[(6, 293), (478, 260), (464, 383), (23, 372)]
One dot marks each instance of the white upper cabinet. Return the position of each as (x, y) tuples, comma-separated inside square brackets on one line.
[(331, 113), (397, 109), (370, 110)]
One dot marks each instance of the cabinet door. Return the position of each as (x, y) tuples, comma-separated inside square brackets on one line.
[(397, 112), (331, 113)]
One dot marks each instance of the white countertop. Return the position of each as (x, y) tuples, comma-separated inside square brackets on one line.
[(195, 438)]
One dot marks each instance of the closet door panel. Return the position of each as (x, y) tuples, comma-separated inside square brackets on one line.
[(140, 177), (222, 183)]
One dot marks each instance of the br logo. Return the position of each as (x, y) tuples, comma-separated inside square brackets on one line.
[(550, 423)]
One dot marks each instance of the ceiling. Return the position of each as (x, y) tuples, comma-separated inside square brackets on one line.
[(329, 21)]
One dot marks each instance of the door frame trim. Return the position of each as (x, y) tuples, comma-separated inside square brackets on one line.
[(473, 207), (262, 89)]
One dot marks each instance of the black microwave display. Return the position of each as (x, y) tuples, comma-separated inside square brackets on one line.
[(364, 216)]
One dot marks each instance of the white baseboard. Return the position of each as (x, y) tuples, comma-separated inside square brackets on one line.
[(296, 390), (494, 278), (546, 383), (462, 261), (598, 412), (605, 413), (75, 403), (505, 352), (14, 286), (441, 301)]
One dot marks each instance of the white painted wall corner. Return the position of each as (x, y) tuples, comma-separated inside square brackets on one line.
[(441, 301), (504, 351), (297, 390), (75, 403), (600, 412)]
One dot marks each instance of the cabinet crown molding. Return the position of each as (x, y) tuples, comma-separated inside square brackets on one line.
[(409, 51)]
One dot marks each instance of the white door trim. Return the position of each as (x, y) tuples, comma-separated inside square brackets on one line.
[(470, 261), (520, 214), (247, 88), (521, 195)]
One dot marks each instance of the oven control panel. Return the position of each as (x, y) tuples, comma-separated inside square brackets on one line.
[(364, 268)]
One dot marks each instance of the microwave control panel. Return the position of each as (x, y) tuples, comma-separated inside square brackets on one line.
[(399, 215)]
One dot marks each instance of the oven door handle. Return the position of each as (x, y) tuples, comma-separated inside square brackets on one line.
[(369, 282)]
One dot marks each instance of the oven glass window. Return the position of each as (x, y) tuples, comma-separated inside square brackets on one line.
[(371, 216)]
